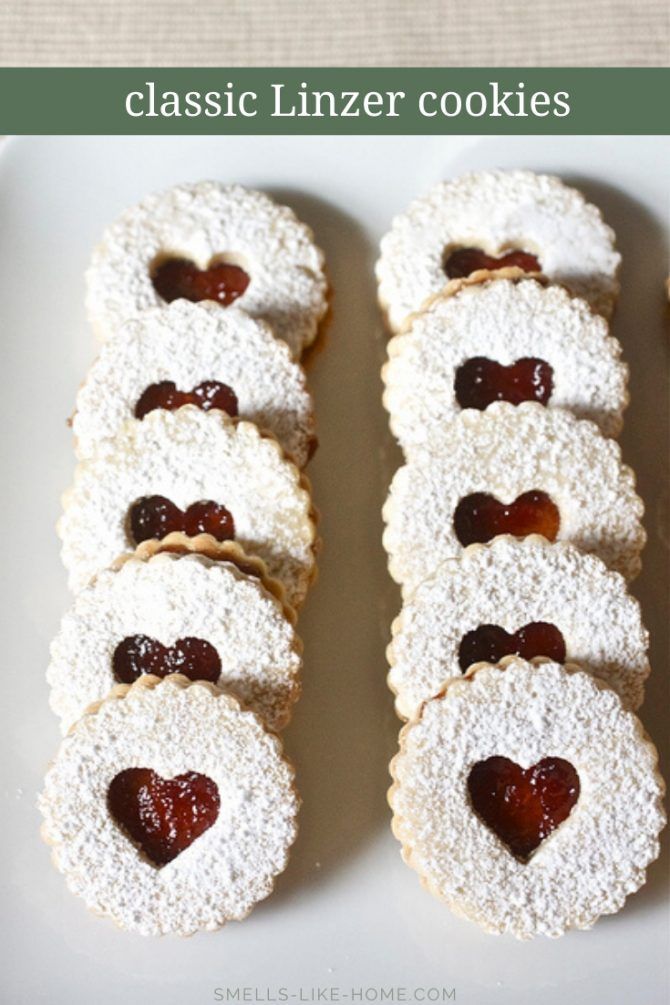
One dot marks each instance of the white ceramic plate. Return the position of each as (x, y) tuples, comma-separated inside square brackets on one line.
[(347, 916)]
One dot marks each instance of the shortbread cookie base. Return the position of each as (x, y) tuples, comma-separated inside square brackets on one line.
[(506, 451), (171, 726), (504, 317), (178, 543), (203, 222), (170, 597), (497, 211), (512, 582), (190, 455), (188, 344), (590, 864)]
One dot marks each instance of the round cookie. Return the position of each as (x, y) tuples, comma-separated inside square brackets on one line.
[(497, 212), (191, 615), (513, 810), (195, 472), (266, 258), (523, 596), (503, 337), (179, 543), (512, 469), (170, 809), (198, 353)]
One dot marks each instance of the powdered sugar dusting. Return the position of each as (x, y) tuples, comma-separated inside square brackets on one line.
[(591, 862), (505, 451), (201, 221), (171, 729), (510, 583), (187, 344), (503, 320), (190, 455), (170, 598), (498, 211)]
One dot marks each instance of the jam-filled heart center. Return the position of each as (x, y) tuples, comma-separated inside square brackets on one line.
[(481, 381), (523, 805), (463, 262), (135, 655), (181, 279), (154, 517), (163, 816), (479, 517), (489, 643), (208, 394)]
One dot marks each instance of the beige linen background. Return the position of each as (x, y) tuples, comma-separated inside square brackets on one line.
[(332, 33)]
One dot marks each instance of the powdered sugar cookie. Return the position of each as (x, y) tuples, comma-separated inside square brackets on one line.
[(512, 470), (506, 338), (189, 615), (523, 596), (209, 241), (492, 219), (179, 543), (198, 354), (170, 809), (513, 810), (195, 472)]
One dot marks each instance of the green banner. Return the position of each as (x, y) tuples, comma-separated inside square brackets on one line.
[(325, 100)]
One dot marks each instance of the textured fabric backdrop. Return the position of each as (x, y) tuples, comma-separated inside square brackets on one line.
[(335, 32)]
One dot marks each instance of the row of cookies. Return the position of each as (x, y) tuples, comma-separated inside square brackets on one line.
[(512, 529), (189, 536)]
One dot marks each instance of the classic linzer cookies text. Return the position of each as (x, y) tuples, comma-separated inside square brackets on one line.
[(280, 101)]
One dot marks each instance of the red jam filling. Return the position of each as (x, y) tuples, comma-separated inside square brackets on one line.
[(209, 394), (523, 805), (180, 279), (139, 654), (480, 517), (489, 643), (154, 517), (163, 816), (481, 381), (464, 261)]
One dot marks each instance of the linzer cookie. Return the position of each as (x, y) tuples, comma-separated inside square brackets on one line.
[(513, 469), (192, 472), (179, 543), (492, 220), (502, 339), (170, 809), (198, 354), (517, 596), (512, 808), (208, 241), (191, 615)]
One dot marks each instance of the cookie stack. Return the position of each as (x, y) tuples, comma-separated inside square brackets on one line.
[(525, 792), (189, 537)]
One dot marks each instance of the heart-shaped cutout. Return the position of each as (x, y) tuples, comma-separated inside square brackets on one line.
[(140, 654), (154, 517), (181, 279), (481, 381), (163, 816), (480, 517), (463, 262), (489, 643), (208, 394), (523, 805)]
